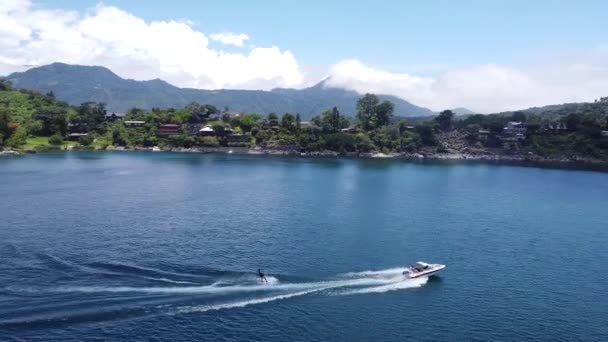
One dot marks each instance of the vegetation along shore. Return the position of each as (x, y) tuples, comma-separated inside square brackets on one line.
[(35, 122)]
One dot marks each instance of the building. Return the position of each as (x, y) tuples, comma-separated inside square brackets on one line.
[(168, 129), (75, 127), (554, 128), (351, 130), (76, 136), (605, 133), (515, 129), (206, 131), (134, 123), (115, 116)]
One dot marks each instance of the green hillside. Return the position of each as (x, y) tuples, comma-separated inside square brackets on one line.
[(77, 84)]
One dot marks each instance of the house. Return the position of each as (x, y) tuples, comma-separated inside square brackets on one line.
[(309, 125), (352, 130), (168, 129), (134, 123), (75, 127), (76, 136), (115, 116), (206, 131), (554, 128), (605, 133), (515, 129), (232, 115)]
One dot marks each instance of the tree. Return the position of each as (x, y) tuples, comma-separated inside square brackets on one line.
[(334, 118), (363, 142), (288, 121), (18, 138), (56, 139), (5, 84), (53, 120), (445, 119), (225, 117), (384, 113), (299, 121), (427, 134), (196, 110), (366, 111), (219, 129), (86, 140), (209, 141), (386, 137), (273, 119), (34, 127), (5, 129), (373, 114), (118, 138), (91, 116), (518, 116), (136, 114), (199, 112), (342, 142), (572, 121), (247, 121)]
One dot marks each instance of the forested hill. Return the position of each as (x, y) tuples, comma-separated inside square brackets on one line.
[(77, 84)]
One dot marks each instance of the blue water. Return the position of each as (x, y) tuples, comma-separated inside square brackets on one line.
[(161, 246)]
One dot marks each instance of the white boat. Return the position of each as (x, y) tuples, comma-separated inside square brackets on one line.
[(422, 269)]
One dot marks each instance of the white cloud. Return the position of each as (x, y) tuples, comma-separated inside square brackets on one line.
[(229, 38), (486, 88), (174, 51), (134, 48)]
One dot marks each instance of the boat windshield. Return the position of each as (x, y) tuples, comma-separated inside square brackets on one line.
[(419, 267)]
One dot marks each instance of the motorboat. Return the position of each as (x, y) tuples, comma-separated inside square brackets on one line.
[(422, 269)]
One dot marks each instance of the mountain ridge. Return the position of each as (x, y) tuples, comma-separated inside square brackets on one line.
[(76, 84)]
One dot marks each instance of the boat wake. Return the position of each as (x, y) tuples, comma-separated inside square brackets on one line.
[(174, 295)]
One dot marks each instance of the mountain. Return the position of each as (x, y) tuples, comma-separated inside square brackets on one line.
[(76, 84), (463, 111)]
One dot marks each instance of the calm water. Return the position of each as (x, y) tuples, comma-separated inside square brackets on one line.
[(145, 246)]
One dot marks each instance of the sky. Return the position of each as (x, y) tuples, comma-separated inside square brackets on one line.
[(487, 56)]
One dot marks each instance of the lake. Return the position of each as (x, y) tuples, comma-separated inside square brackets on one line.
[(166, 246)]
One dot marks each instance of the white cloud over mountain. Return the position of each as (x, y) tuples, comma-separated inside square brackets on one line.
[(130, 46), (229, 38), (485, 88), (175, 51)]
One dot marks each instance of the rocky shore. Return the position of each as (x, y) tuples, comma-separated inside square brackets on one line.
[(422, 155)]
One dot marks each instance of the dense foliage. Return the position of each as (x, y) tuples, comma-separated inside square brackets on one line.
[(562, 130), (566, 130)]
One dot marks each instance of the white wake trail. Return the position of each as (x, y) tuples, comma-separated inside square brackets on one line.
[(241, 304), (392, 272), (402, 285), (215, 289), (171, 281)]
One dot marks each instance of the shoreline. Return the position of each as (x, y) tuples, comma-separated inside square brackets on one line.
[(531, 160)]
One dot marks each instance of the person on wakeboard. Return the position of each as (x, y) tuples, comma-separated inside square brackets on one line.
[(262, 276)]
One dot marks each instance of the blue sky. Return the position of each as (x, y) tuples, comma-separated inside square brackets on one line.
[(484, 55), (398, 35)]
